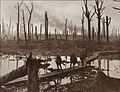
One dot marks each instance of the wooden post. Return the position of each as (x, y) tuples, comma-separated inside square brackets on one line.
[(108, 67), (33, 85), (104, 63), (17, 64), (93, 31), (99, 63)]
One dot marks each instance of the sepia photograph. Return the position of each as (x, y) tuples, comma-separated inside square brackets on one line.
[(59, 45)]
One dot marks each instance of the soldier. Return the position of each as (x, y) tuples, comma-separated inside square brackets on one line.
[(73, 59), (58, 62)]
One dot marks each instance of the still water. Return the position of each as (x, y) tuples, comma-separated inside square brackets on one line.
[(9, 63)]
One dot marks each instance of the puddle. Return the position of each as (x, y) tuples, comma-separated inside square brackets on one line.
[(114, 67), (9, 63)]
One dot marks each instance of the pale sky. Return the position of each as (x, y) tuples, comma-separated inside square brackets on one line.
[(58, 11)]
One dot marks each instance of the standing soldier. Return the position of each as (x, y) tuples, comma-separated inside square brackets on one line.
[(73, 59), (58, 62)]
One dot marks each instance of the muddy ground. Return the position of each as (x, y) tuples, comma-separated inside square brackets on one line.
[(95, 82), (90, 79), (51, 47)]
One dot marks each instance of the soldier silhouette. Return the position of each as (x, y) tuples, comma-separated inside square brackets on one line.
[(73, 59), (58, 62)]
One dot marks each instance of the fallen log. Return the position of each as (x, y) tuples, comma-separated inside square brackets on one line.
[(17, 73)]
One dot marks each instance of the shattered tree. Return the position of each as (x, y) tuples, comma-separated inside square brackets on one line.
[(108, 21), (99, 12), (25, 34), (18, 9), (89, 17), (82, 30), (46, 26), (29, 20)]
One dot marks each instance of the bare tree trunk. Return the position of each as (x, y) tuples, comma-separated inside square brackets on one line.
[(0, 33), (103, 22), (40, 31), (18, 8), (29, 35), (98, 10), (82, 31), (55, 34), (18, 28), (36, 35), (108, 20), (89, 29), (99, 28), (46, 26), (25, 35), (66, 29), (89, 17), (9, 27), (32, 32), (29, 20)]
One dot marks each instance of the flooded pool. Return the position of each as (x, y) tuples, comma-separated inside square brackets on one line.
[(11, 62), (109, 67)]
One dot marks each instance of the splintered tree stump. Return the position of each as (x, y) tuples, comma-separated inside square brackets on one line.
[(32, 71)]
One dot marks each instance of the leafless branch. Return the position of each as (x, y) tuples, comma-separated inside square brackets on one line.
[(29, 10), (109, 20)]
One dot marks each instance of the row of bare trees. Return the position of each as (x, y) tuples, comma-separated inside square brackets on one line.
[(30, 11), (98, 10)]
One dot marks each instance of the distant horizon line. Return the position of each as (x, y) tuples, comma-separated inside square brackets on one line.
[(57, 0)]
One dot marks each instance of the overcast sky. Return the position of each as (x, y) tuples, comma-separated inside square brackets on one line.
[(58, 11)]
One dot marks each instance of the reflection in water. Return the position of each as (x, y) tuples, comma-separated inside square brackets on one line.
[(9, 63), (109, 67)]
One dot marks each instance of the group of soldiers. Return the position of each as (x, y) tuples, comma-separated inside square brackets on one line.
[(33, 66), (73, 59)]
